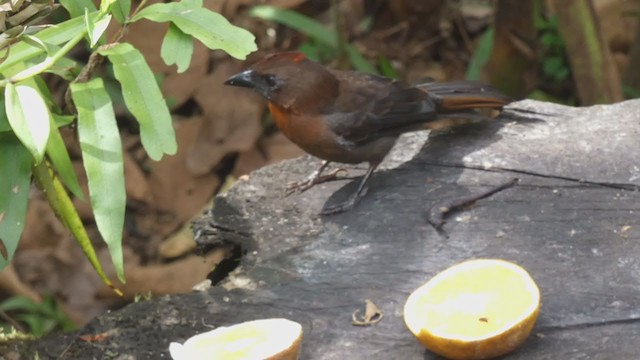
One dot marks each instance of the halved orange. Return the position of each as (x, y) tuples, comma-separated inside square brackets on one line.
[(271, 339), (478, 309)]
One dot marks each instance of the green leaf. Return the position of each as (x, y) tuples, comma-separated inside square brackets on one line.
[(387, 68), (34, 322), (62, 120), (90, 27), (481, 55), (65, 68), (177, 48), (19, 303), (29, 118), (55, 35), (95, 30), (15, 167), (297, 21), (211, 28), (77, 7), (121, 10), (34, 41), (313, 29), (37, 82), (4, 122), (144, 99), (65, 212), (102, 157), (59, 156), (630, 92), (358, 61), (105, 5)]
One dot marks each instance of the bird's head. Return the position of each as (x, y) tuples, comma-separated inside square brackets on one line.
[(289, 79)]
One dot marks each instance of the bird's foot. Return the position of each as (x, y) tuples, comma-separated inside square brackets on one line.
[(345, 206), (311, 181)]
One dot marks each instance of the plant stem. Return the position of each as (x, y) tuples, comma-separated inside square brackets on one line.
[(46, 64)]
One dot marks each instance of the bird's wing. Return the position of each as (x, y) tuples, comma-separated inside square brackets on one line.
[(370, 107)]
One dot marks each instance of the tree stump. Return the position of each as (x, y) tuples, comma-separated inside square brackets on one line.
[(571, 221)]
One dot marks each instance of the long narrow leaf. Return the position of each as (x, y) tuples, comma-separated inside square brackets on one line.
[(65, 211), (481, 55), (102, 157), (62, 120), (211, 28), (177, 48), (121, 10), (358, 61), (4, 122), (59, 156), (38, 83), (55, 35), (29, 118), (97, 28), (313, 29), (15, 167), (297, 21), (77, 7), (144, 99)]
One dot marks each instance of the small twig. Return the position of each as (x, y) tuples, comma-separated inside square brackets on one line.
[(44, 65), (12, 322), (437, 213), (95, 59), (463, 33)]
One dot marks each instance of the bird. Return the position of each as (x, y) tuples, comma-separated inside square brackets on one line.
[(351, 117)]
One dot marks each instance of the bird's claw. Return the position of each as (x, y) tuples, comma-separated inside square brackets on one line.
[(347, 205), (311, 181)]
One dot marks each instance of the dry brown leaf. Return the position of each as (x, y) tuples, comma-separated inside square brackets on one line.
[(278, 148), (42, 227), (219, 5), (178, 244), (249, 161), (229, 8), (11, 284), (176, 277), (178, 88), (60, 268), (136, 183), (231, 120), (270, 150), (129, 140), (94, 337), (176, 191), (82, 206)]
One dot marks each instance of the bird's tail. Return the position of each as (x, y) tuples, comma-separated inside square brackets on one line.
[(458, 102), (464, 95)]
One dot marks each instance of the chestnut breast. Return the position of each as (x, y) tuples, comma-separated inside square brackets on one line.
[(313, 135)]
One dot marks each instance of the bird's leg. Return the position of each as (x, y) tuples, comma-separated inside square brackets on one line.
[(357, 195), (313, 179)]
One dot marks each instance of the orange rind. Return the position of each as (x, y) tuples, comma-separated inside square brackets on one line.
[(479, 309), (269, 339)]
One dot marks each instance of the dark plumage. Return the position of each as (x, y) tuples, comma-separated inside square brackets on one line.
[(352, 117)]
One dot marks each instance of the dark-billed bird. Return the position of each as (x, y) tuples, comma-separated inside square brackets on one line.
[(352, 117)]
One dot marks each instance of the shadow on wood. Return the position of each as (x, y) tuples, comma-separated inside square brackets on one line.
[(571, 221)]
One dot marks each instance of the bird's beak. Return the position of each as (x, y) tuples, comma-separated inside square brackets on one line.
[(246, 79)]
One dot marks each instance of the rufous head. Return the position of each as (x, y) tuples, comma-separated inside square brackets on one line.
[(287, 79)]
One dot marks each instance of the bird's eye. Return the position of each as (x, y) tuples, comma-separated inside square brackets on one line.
[(272, 82)]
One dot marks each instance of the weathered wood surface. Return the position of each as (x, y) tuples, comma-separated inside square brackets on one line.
[(572, 222)]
